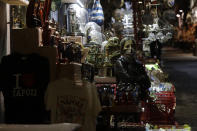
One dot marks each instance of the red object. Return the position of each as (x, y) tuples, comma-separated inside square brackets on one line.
[(153, 1), (41, 12), (46, 34), (45, 23), (47, 8), (160, 111)]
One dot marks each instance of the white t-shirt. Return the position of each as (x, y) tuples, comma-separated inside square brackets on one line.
[(73, 102)]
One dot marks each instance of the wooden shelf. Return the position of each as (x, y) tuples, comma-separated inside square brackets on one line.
[(104, 80), (122, 109)]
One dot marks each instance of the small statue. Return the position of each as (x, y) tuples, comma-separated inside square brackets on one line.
[(112, 49), (129, 71), (73, 52)]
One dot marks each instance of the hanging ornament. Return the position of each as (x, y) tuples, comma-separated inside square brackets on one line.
[(97, 15), (170, 3)]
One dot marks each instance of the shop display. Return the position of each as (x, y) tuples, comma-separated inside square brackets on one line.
[(118, 29), (104, 43), (184, 127), (162, 93), (54, 11), (155, 73), (87, 72), (71, 99), (170, 3), (128, 42), (155, 38), (95, 56), (30, 13), (106, 94), (194, 13), (23, 86), (92, 26), (77, 17), (158, 29), (86, 3), (17, 16), (97, 15), (159, 79), (98, 69), (72, 24), (160, 37), (130, 72), (71, 52), (127, 94), (157, 76), (160, 110), (118, 15), (96, 37), (36, 14), (153, 66), (93, 33), (128, 23), (112, 51)]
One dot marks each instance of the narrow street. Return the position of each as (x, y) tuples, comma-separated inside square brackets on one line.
[(182, 70)]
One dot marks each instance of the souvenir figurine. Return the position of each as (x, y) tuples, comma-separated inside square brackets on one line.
[(129, 71)]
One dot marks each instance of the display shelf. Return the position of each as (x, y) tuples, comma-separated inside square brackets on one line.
[(130, 126), (122, 109), (106, 80), (16, 2), (40, 127)]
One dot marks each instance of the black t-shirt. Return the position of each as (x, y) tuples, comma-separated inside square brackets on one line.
[(24, 79)]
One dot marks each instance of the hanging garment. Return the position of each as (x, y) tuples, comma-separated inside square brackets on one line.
[(24, 79), (72, 100)]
